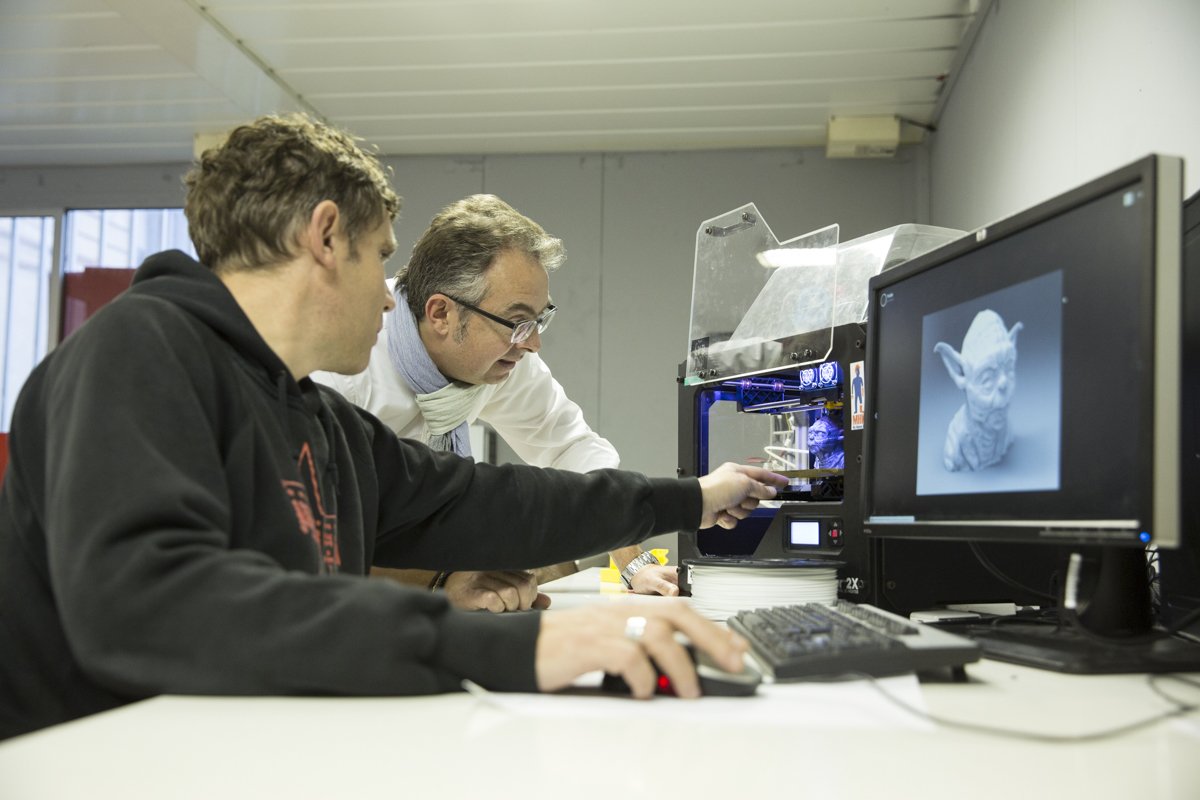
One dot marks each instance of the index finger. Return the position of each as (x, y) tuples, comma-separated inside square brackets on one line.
[(725, 646), (764, 475)]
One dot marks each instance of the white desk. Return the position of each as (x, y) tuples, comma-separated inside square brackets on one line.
[(460, 746)]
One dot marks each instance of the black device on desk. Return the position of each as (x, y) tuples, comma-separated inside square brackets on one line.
[(1025, 386), (776, 414), (1179, 569)]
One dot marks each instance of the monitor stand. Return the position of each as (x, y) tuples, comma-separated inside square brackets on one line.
[(1112, 634), (1062, 649)]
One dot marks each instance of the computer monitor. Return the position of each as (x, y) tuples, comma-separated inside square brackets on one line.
[(1023, 385), (1180, 569)]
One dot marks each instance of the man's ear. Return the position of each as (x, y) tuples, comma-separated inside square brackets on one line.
[(323, 224), (437, 313)]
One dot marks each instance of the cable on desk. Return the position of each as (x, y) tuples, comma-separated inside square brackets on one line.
[(1181, 709), (1182, 679), (1003, 577), (1184, 622)]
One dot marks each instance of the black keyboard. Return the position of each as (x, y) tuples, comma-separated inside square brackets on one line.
[(841, 638)]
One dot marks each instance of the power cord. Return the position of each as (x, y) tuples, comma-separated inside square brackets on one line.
[(1068, 615), (1181, 708), (995, 571), (1183, 622)]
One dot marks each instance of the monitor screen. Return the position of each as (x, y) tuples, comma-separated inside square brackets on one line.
[(1023, 382)]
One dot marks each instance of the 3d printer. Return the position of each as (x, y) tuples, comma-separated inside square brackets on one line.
[(774, 376)]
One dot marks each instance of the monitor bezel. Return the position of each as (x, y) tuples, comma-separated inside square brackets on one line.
[(1162, 179)]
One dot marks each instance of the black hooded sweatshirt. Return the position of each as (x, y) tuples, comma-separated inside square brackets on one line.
[(180, 516)]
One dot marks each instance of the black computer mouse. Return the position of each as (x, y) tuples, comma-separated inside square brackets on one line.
[(714, 681)]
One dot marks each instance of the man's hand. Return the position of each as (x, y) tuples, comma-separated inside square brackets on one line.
[(494, 591), (732, 491), (593, 637), (656, 580)]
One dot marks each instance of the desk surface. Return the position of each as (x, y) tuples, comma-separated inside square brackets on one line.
[(463, 745)]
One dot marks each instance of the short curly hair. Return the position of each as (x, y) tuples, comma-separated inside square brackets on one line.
[(248, 199), (460, 244)]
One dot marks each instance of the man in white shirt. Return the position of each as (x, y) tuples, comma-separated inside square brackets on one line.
[(461, 346)]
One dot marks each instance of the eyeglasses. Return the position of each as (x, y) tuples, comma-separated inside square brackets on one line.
[(520, 330)]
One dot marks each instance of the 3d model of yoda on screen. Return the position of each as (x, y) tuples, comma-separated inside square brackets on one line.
[(986, 370)]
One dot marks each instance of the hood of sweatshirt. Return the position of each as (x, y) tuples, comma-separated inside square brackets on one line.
[(177, 277)]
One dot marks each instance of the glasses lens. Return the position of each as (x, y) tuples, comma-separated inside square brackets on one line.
[(525, 329), (543, 321)]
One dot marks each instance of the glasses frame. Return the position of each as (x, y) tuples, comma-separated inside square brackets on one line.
[(520, 330)]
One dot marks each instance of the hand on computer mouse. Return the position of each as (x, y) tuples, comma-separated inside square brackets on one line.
[(714, 681), (636, 641)]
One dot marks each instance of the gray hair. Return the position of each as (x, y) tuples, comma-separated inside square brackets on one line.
[(461, 243)]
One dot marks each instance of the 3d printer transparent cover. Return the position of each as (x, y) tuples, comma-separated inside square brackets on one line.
[(759, 304), (745, 316)]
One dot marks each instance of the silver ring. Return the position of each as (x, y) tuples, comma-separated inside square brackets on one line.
[(635, 628)]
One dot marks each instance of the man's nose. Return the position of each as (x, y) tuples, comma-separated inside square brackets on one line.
[(533, 343), (389, 302)]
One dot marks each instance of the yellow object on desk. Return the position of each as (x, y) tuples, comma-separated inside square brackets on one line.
[(611, 574)]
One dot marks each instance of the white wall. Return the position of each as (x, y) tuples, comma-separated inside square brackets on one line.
[(1057, 92)]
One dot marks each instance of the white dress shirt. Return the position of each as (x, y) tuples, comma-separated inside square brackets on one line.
[(528, 409)]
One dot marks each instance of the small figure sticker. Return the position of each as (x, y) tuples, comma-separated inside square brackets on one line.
[(857, 412)]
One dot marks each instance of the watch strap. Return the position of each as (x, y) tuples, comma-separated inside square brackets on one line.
[(643, 559)]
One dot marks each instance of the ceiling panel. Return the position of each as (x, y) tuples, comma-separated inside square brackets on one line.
[(131, 81), (716, 74), (452, 18), (644, 45), (476, 101)]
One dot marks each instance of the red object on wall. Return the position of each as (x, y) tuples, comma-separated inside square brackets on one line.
[(3, 454), (84, 293)]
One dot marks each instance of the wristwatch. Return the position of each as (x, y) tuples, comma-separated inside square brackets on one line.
[(642, 559)]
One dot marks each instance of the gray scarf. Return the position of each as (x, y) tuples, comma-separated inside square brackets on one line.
[(444, 404)]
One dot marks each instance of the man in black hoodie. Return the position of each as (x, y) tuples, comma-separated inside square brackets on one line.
[(184, 511)]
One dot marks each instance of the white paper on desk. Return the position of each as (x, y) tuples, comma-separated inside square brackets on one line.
[(844, 704)]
